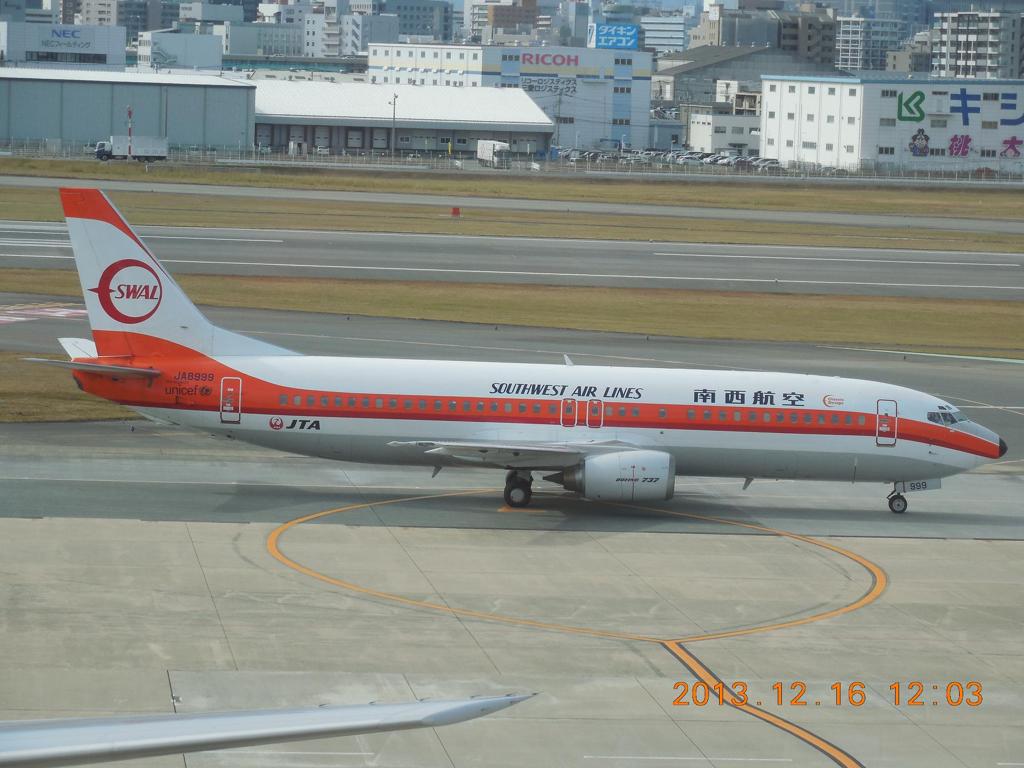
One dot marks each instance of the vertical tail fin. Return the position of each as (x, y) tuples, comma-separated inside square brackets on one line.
[(129, 296)]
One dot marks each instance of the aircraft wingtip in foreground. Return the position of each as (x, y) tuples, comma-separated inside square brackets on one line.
[(78, 741), (616, 434)]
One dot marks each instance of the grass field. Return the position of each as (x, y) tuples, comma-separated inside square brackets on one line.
[(977, 327), (971, 202), (219, 211), (33, 392)]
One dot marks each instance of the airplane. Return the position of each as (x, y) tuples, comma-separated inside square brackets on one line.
[(80, 740), (606, 433)]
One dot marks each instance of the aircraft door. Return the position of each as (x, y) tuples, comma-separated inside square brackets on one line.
[(230, 400), (887, 423), (595, 414), (570, 413)]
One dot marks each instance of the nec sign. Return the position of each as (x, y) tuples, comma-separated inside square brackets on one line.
[(66, 33)]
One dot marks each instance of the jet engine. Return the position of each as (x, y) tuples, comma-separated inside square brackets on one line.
[(621, 476)]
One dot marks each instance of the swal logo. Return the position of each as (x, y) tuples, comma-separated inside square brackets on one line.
[(129, 291), (909, 109)]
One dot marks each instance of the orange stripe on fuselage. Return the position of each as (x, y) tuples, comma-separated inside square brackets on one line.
[(263, 397)]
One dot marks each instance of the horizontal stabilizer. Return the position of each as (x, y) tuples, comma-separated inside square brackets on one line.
[(120, 371), (79, 348)]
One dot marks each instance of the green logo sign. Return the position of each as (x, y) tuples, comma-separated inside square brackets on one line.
[(909, 109)]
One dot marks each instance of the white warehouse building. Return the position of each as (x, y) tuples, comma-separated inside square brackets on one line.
[(877, 122), (595, 97)]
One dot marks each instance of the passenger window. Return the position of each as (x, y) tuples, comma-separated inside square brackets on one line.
[(297, 400), (379, 402), (480, 405), (767, 418), (609, 411), (723, 415), (423, 405), (835, 418), (366, 402), (707, 415), (780, 418), (351, 402), (494, 407), (821, 418), (310, 400), (438, 405), (636, 411), (752, 416), (467, 406), (552, 408), (661, 413), (283, 400), (536, 408), (392, 403), (338, 402), (508, 407), (794, 418), (325, 401), (861, 420), (622, 411), (408, 405), (737, 416), (691, 414), (452, 405), (849, 419), (522, 407), (808, 418)]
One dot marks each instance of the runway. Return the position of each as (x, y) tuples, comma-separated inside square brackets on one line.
[(139, 575), (527, 260), (466, 201)]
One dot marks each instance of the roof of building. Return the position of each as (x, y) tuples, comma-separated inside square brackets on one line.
[(873, 76), (708, 56), (417, 105), (132, 78)]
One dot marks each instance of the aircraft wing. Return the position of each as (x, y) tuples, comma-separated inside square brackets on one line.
[(77, 741), (514, 455)]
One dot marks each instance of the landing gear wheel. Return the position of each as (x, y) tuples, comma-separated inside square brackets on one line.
[(897, 504), (518, 493)]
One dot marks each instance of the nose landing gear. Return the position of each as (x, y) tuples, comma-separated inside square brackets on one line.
[(518, 488), (897, 503)]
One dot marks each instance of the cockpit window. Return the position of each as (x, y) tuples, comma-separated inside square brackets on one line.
[(947, 418)]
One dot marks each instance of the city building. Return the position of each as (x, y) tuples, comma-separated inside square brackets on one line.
[(257, 39), (665, 34), (978, 44), (914, 56), (97, 13), (863, 43), (430, 19), (76, 107), (210, 13), (595, 97), (359, 30), (808, 34), (725, 132), (917, 124), (358, 117), (138, 16), (62, 45), (181, 48)]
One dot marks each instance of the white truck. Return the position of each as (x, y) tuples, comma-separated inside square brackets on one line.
[(141, 148), (494, 154)]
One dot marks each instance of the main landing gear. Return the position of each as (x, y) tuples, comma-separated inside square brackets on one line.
[(897, 503), (518, 488)]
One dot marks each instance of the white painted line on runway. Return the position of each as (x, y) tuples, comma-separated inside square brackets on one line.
[(692, 759), (527, 273), (236, 752), (37, 243), (830, 258), (216, 239), (980, 358)]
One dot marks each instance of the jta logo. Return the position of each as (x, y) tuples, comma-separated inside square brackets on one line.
[(276, 422), (129, 291)]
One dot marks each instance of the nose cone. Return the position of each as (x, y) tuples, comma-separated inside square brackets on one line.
[(1002, 447)]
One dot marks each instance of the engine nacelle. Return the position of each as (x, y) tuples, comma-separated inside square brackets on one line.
[(622, 476)]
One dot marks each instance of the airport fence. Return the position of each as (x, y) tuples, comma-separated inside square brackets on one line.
[(626, 165)]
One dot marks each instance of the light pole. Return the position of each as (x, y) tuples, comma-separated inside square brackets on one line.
[(394, 111)]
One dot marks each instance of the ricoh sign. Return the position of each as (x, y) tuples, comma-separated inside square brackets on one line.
[(550, 59)]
